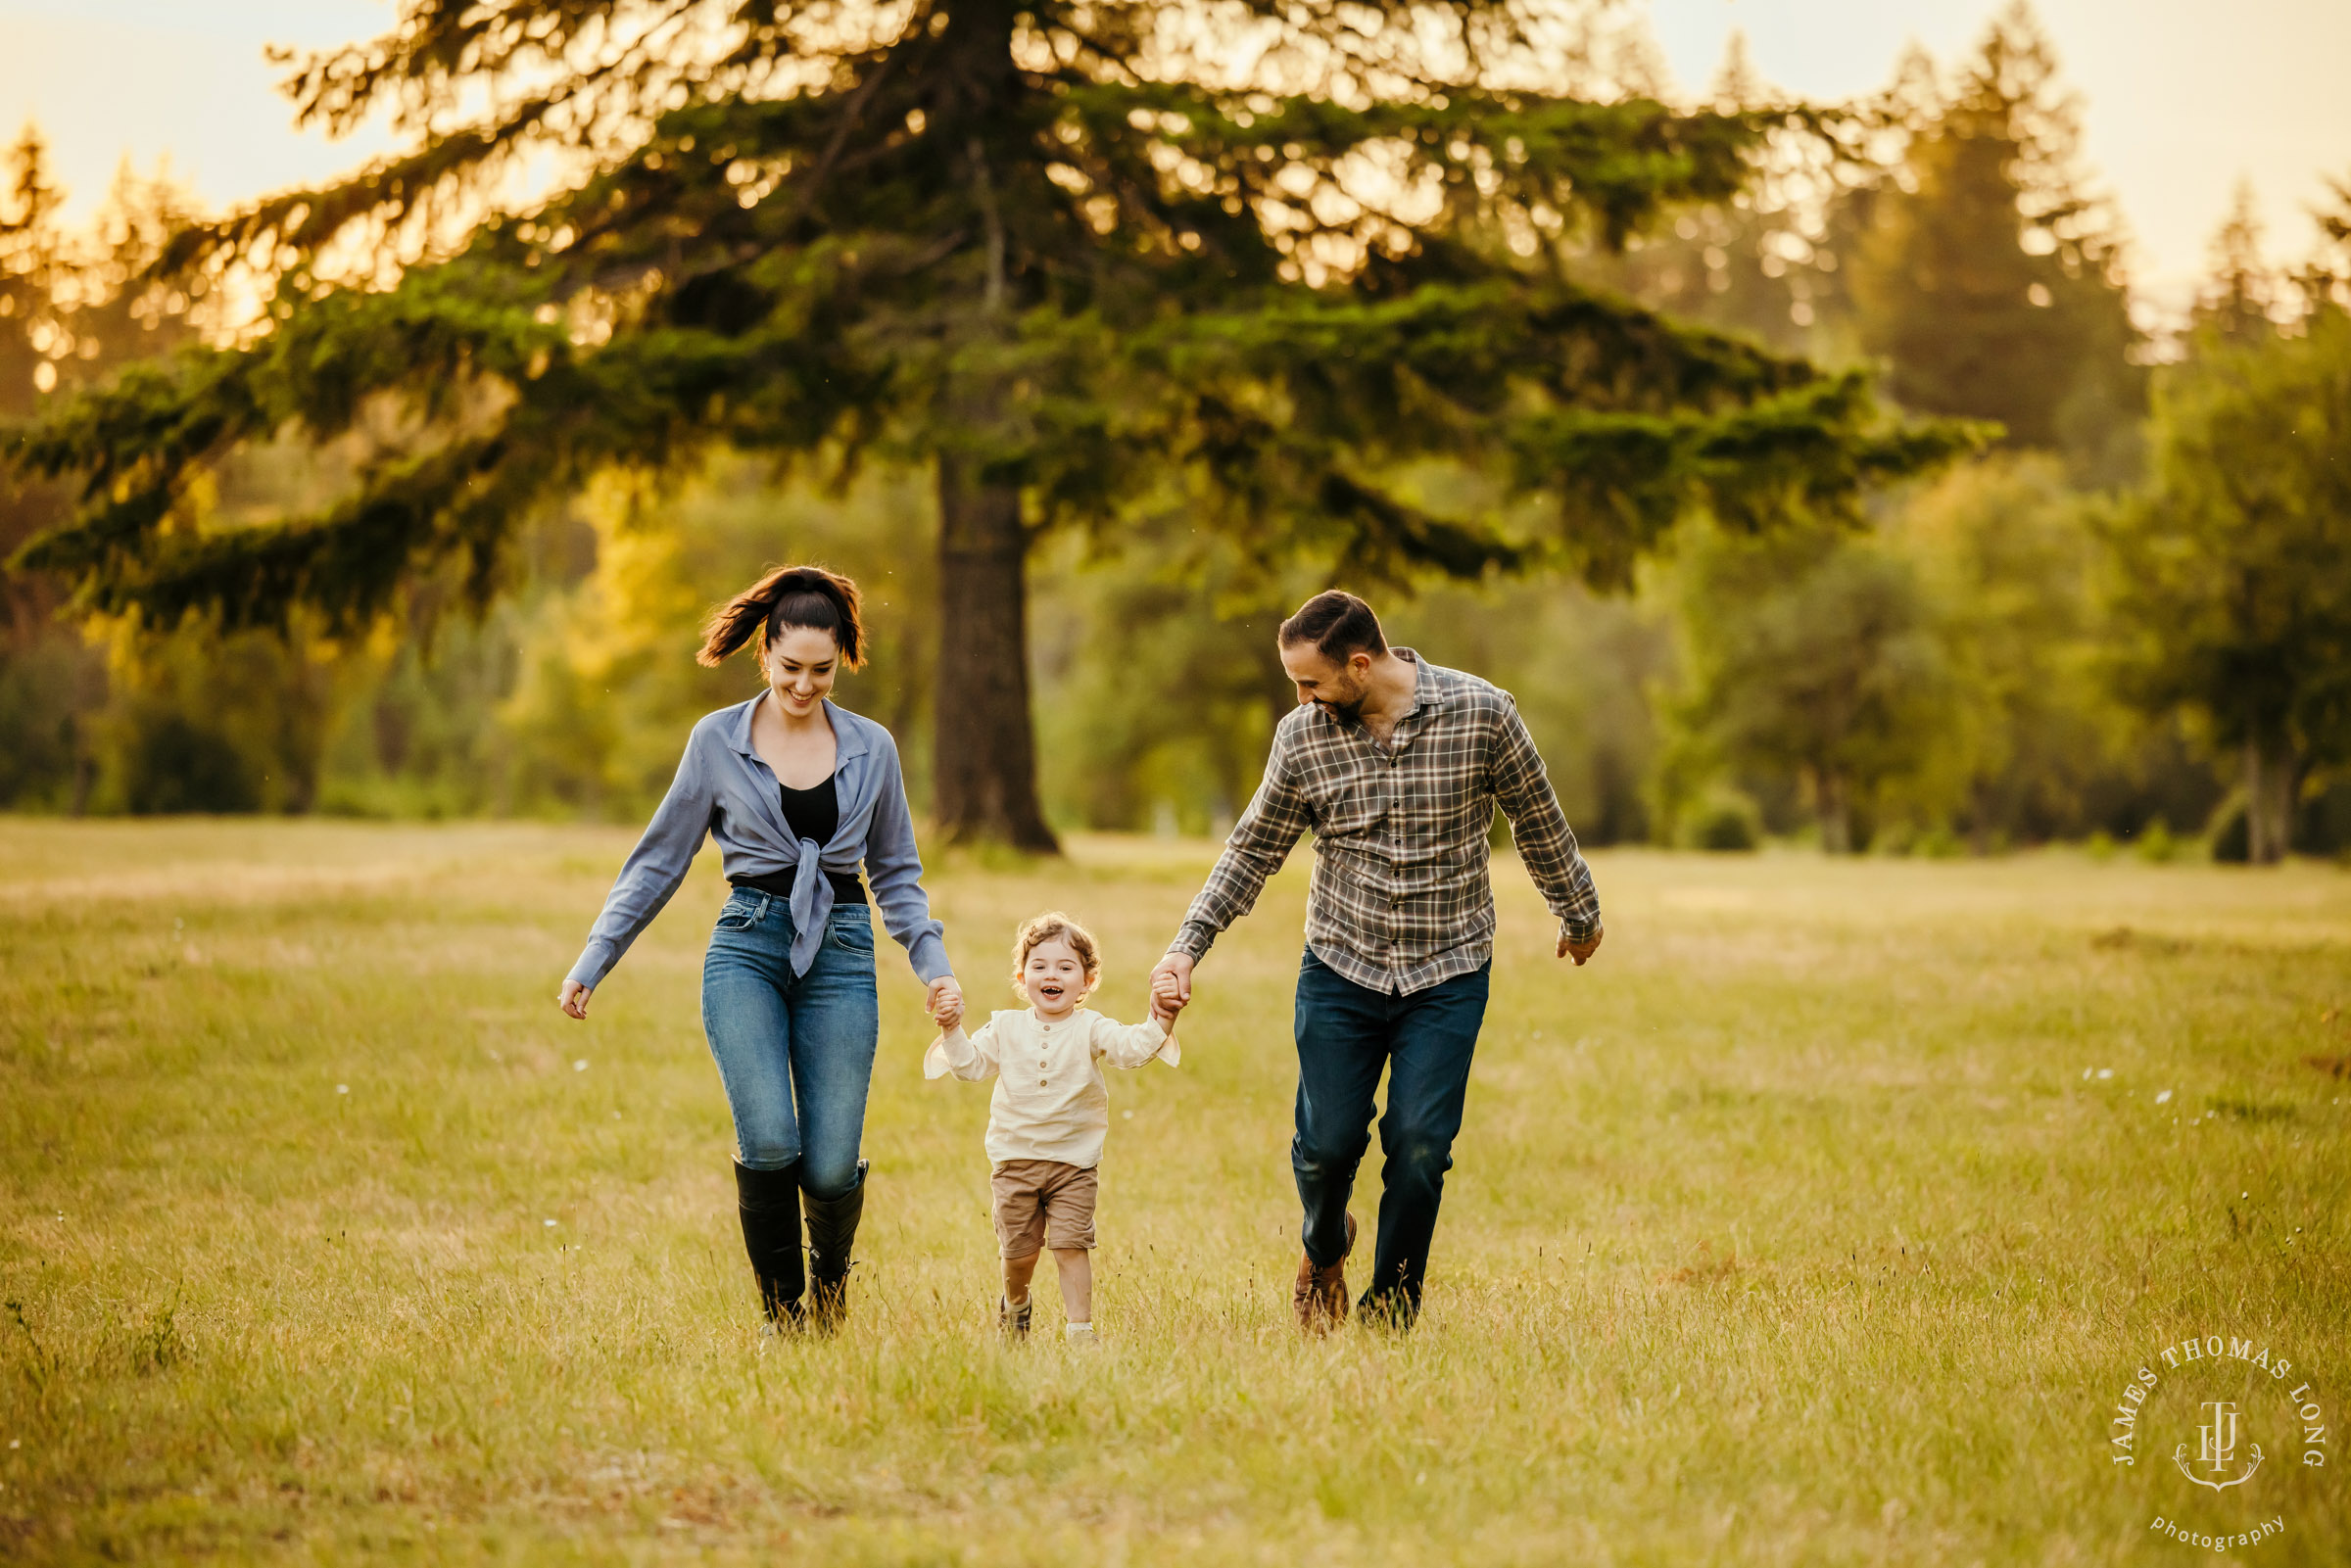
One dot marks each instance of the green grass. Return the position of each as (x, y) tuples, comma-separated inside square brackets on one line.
[(1790, 1231)]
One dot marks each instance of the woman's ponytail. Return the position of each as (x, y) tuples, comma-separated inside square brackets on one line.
[(808, 597)]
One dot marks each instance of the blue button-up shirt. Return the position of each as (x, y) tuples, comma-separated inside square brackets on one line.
[(722, 790)]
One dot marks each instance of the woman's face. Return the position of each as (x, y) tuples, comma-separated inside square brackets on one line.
[(801, 663)]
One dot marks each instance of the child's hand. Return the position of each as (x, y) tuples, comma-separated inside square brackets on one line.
[(946, 1010), (1166, 998)]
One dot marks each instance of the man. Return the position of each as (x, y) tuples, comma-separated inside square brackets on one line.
[(1397, 765)]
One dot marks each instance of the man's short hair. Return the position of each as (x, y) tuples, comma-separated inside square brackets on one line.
[(1338, 624)]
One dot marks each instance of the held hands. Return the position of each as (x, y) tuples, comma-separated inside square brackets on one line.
[(1582, 951), (1171, 987), (1167, 997), (945, 1003)]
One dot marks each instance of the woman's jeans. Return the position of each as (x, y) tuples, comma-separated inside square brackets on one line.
[(796, 1054), (1346, 1034)]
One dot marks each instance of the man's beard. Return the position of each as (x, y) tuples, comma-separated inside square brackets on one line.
[(1348, 712)]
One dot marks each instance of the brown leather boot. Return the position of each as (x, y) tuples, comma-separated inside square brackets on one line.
[(1320, 1297)]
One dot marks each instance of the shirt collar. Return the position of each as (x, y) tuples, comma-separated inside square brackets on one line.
[(847, 741), (1427, 693)]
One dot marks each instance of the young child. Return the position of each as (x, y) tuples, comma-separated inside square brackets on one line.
[(1051, 1109)]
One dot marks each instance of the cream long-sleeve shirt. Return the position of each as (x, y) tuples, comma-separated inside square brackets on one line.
[(1052, 1102)]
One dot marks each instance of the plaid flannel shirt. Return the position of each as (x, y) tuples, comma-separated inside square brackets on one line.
[(1400, 897)]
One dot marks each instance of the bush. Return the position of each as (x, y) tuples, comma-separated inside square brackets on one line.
[(171, 764), (1939, 842), (2156, 843), (1725, 822)]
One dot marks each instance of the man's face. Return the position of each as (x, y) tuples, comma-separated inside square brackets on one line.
[(1337, 688)]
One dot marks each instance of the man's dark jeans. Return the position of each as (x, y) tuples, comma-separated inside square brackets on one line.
[(1346, 1033)]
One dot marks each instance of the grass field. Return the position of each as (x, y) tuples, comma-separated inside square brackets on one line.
[(1805, 1227)]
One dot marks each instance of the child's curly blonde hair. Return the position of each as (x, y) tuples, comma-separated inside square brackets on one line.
[(1054, 927)]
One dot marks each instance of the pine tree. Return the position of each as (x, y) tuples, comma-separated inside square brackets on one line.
[(1747, 266), (2234, 567), (34, 264), (2241, 294), (1260, 260), (1984, 279), (68, 315)]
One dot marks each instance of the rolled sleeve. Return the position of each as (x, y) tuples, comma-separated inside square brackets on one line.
[(1539, 828), (1260, 842)]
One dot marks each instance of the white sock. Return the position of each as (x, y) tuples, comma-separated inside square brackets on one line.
[(1080, 1331)]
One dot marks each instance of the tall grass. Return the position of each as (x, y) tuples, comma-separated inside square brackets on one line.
[(1788, 1231)]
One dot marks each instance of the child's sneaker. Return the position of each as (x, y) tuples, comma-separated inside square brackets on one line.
[(1014, 1320)]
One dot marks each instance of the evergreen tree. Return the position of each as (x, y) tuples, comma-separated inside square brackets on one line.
[(1983, 276), (2242, 295), (1066, 253), (1753, 265), (2234, 567), (67, 317)]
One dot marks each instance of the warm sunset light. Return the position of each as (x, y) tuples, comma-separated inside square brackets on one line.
[(1002, 782)]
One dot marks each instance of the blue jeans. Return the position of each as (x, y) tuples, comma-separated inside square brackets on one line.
[(796, 1054), (1346, 1034)]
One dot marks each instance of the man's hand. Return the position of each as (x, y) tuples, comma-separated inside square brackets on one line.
[(945, 1003), (1582, 951), (573, 999), (1177, 969)]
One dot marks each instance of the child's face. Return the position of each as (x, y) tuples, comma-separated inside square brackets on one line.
[(1054, 976)]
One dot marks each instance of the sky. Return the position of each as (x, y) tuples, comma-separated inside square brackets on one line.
[(2181, 99)]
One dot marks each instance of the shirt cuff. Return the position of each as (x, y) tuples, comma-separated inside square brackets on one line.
[(1579, 931), (929, 955), (1192, 939), (595, 962), (949, 1051)]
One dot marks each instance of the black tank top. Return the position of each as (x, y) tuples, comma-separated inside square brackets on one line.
[(812, 813)]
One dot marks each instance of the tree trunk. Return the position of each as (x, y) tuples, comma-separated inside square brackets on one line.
[(985, 766), (2268, 802), (1835, 812)]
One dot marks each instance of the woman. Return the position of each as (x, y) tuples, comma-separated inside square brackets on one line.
[(798, 792)]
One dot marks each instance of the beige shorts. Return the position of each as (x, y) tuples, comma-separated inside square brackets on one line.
[(1043, 1202)]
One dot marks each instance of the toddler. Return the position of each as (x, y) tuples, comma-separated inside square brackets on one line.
[(1051, 1109)]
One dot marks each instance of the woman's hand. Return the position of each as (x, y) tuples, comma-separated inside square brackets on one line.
[(946, 1003), (573, 999)]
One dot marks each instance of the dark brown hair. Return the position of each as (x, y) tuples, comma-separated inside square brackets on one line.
[(1339, 626), (804, 597), (1054, 927)]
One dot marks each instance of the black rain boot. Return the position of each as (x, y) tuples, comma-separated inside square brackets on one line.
[(832, 1231), (769, 1204)]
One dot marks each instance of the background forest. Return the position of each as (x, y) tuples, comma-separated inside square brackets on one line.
[(2125, 621)]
